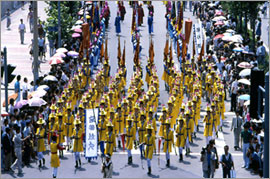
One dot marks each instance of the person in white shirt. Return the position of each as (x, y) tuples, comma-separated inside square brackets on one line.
[(234, 89), (25, 88), (220, 65), (22, 30)]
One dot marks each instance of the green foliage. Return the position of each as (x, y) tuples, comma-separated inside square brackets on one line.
[(69, 16)]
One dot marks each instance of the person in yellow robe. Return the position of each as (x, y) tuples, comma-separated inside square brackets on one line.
[(181, 136), (119, 124), (68, 121), (168, 141), (142, 132), (40, 134), (77, 143), (162, 120), (102, 131), (55, 162), (110, 139), (51, 126), (222, 110), (81, 115), (59, 128), (136, 118), (149, 141), (208, 128), (189, 128), (215, 119), (130, 134)]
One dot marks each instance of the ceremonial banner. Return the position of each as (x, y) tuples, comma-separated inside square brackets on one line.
[(198, 37), (188, 27), (91, 137)]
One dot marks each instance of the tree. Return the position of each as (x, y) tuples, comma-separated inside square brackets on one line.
[(248, 9), (68, 10)]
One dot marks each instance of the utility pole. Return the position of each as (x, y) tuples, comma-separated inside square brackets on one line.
[(59, 25), (266, 129), (6, 78), (35, 43)]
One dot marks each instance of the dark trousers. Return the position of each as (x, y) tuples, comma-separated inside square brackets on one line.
[(226, 172), (233, 102)]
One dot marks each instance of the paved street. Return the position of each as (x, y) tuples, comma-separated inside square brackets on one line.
[(191, 167)]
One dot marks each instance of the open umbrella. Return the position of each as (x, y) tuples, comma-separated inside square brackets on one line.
[(20, 104), (61, 50), (245, 72), (44, 87), (247, 103), (78, 30), (50, 78), (56, 60), (244, 97), (238, 49), (36, 102), (38, 93), (74, 35), (244, 81), (76, 27), (219, 18), (79, 22), (230, 31), (219, 13), (245, 65), (72, 53), (219, 23), (60, 54), (218, 36), (227, 34)]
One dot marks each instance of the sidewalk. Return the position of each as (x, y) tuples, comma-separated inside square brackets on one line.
[(17, 53)]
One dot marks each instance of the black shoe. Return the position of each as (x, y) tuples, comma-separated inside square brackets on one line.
[(149, 171), (197, 128), (54, 176), (43, 161), (181, 157), (76, 166), (129, 162), (195, 135), (39, 164), (217, 134), (80, 162)]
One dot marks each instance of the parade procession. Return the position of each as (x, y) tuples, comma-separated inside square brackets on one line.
[(134, 89)]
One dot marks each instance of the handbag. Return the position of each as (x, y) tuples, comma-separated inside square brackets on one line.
[(233, 173)]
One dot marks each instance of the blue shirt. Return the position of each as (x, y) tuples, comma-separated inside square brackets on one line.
[(208, 158), (17, 87)]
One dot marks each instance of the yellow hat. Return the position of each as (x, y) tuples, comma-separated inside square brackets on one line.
[(81, 106), (130, 96), (77, 121), (60, 100), (183, 106), (187, 112), (194, 100), (208, 109), (103, 113), (129, 118), (125, 101), (151, 110), (109, 124), (68, 106), (137, 106), (213, 104), (220, 93), (119, 105), (142, 113), (212, 72), (167, 121), (41, 121), (60, 114), (149, 126), (164, 109), (180, 119), (53, 107), (84, 99), (52, 115), (170, 101), (111, 110), (189, 103), (102, 101), (189, 70)]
